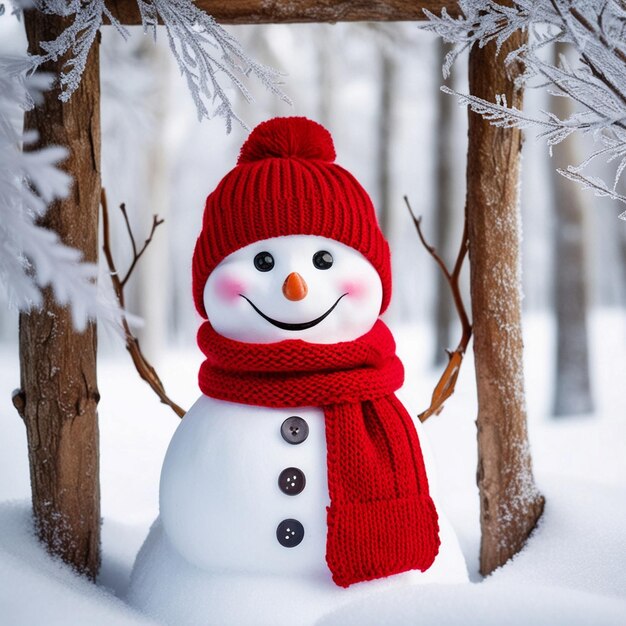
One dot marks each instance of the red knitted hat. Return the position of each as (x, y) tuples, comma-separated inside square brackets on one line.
[(286, 183)]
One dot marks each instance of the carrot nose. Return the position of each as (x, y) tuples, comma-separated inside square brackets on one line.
[(294, 287)]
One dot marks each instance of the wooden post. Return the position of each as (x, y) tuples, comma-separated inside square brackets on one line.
[(59, 394), (301, 11), (510, 504)]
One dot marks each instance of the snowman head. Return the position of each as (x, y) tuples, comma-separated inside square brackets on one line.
[(293, 287), (290, 246)]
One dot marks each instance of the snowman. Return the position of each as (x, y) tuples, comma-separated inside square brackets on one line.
[(297, 482)]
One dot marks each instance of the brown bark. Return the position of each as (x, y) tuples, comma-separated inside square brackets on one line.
[(274, 12), (572, 389), (59, 394), (510, 504)]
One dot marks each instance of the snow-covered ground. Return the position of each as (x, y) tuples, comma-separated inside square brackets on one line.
[(573, 570)]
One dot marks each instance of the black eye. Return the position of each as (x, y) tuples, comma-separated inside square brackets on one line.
[(322, 260), (264, 261)]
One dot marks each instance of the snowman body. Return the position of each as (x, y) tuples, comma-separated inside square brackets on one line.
[(241, 537), (225, 489), (213, 556)]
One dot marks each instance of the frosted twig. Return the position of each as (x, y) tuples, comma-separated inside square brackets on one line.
[(77, 38), (202, 48), (597, 185), (597, 82)]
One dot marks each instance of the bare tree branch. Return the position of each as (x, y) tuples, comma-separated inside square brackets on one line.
[(156, 222), (595, 80), (447, 382), (143, 366)]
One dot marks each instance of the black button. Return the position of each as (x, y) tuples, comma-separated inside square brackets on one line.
[(291, 481), (294, 429), (290, 533)]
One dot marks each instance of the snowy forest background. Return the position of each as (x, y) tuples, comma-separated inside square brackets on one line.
[(377, 89)]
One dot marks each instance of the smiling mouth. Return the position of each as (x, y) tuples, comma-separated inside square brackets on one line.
[(288, 326)]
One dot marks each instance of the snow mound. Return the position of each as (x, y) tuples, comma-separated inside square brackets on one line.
[(488, 603), (35, 585), (579, 544), (571, 572)]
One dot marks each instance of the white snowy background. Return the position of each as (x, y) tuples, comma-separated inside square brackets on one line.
[(157, 158)]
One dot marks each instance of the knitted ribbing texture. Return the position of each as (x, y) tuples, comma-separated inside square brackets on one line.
[(381, 518), (286, 183)]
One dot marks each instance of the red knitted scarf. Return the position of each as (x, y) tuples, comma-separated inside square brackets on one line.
[(381, 519)]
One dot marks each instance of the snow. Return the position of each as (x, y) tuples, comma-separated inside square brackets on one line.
[(489, 603), (36, 589), (249, 599), (572, 570)]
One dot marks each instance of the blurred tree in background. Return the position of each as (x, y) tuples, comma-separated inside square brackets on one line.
[(572, 384)]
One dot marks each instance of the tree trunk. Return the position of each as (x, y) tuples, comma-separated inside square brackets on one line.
[(385, 125), (572, 389), (621, 234), (510, 504), (444, 208), (324, 38), (154, 300), (59, 394)]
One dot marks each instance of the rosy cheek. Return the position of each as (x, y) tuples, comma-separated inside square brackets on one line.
[(228, 288), (355, 288)]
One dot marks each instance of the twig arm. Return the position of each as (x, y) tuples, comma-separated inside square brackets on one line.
[(430, 249), (456, 293), (447, 382), (156, 222), (142, 365)]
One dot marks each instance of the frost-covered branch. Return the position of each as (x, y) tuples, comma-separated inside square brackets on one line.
[(596, 29), (597, 185), (204, 51), (33, 257), (76, 39)]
